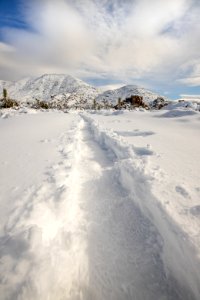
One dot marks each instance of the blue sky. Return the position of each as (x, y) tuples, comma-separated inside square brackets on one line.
[(155, 44), (11, 16)]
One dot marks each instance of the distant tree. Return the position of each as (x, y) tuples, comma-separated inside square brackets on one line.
[(40, 104), (119, 102), (5, 93), (94, 104)]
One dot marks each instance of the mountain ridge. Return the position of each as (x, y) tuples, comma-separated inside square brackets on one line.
[(74, 92)]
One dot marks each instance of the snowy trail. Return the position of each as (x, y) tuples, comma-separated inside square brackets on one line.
[(124, 248), (80, 236)]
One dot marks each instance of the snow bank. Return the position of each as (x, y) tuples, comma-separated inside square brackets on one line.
[(121, 149), (184, 105)]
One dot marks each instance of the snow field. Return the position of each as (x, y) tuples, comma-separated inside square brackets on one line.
[(88, 226)]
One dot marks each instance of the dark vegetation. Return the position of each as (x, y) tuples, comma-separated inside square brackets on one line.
[(6, 102), (136, 101), (40, 104)]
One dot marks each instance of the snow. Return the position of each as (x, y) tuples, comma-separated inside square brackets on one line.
[(184, 105), (101, 205), (169, 157)]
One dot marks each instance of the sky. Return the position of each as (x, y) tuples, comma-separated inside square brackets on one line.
[(109, 43)]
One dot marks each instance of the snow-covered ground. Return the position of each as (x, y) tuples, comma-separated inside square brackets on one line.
[(100, 206)]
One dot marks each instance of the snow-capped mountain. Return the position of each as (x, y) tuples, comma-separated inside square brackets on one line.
[(51, 87), (124, 92), (66, 91)]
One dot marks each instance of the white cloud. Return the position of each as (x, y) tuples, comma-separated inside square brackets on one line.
[(190, 81), (111, 86), (190, 96), (193, 71), (126, 40)]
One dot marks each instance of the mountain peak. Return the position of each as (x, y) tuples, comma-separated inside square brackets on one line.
[(48, 86)]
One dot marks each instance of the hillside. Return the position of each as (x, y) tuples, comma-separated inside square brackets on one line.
[(51, 87)]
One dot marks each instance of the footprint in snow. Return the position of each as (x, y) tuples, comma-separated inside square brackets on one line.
[(45, 141), (136, 132), (141, 151), (197, 189), (195, 210), (179, 189)]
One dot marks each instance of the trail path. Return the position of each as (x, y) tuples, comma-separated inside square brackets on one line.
[(80, 236)]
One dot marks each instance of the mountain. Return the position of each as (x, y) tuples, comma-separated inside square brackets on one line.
[(52, 87), (66, 91), (124, 92)]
